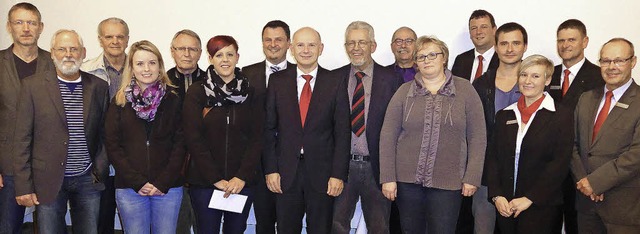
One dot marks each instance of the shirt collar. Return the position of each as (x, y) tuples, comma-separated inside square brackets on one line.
[(368, 71), (617, 93), (547, 103), (282, 65), (488, 55), (575, 68), (313, 73)]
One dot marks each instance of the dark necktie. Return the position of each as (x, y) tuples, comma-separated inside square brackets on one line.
[(565, 82), (357, 106), (274, 68), (305, 98), (479, 70), (602, 116)]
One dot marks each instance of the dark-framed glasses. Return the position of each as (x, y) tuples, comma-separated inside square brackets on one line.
[(430, 56)]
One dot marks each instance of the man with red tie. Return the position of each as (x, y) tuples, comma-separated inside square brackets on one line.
[(475, 62), (605, 160), (570, 79), (307, 131)]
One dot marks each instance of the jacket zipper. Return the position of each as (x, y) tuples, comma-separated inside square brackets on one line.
[(226, 144), (148, 161)]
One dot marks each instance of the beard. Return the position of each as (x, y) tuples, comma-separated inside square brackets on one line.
[(357, 61), (67, 69)]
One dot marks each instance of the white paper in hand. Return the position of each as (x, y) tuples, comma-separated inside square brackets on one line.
[(233, 203)]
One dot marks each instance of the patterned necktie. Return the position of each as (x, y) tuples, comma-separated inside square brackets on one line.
[(357, 106), (305, 98), (602, 116), (187, 82), (274, 68), (565, 82), (479, 70)]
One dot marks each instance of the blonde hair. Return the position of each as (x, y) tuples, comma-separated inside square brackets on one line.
[(424, 40), (534, 60), (127, 75)]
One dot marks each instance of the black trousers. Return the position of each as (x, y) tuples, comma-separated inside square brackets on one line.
[(301, 198), (264, 206), (535, 220), (107, 207)]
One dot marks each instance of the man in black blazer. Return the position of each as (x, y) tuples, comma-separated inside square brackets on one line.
[(59, 152), (378, 86), (570, 79), (307, 129), (275, 43), (22, 59), (482, 29)]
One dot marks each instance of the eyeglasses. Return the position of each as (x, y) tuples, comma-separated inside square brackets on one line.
[(617, 62), (408, 41), (353, 44), (28, 22), (62, 50), (430, 56), (184, 49)]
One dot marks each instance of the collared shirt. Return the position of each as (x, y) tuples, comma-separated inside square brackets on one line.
[(407, 73), (486, 59), (300, 81), (573, 70), (114, 77), (548, 104), (183, 81), (617, 94), (359, 144), (267, 70)]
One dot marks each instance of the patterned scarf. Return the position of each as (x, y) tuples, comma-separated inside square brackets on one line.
[(146, 102), (527, 111), (220, 93)]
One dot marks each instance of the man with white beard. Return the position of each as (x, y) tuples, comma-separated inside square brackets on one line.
[(59, 156)]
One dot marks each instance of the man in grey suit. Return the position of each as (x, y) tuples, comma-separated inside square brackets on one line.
[(23, 58), (607, 144), (59, 155)]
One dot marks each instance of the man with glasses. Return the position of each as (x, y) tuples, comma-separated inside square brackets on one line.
[(186, 49), (113, 35), (370, 87), (475, 62), (570, 79), (59, 153), (22, 59), (605, 159), (276, 38), (403, 46)]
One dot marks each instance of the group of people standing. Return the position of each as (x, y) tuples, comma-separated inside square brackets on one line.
[(486, 147)]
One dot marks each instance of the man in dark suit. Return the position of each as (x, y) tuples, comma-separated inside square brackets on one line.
[(473, 63), (570, 79), (59, 152), (370, 87), (605, 159), (306, 156), (275, 43), (22, 59)]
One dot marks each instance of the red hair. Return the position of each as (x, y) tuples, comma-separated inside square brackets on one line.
[(218, 42)]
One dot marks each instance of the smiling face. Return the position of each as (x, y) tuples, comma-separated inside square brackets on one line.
[(532, 81), (616, 75), (571, 44), (25, 27), (306, 48), (146, 68), (186, 52), (510, 47), (359, 48), (224, 62), (403, 51), (482, 33), (113, 39), (275, 44)]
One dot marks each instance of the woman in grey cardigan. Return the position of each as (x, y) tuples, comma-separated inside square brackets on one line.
[(432, 144)]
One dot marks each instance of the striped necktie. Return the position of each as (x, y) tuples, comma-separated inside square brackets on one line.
[(357, 106)]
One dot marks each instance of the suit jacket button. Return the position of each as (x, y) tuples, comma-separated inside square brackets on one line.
[(65, 143), (61, 164)]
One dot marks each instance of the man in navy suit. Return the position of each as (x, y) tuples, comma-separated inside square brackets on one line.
[(377, 85), (276, 38), (570, 79), (306, 157), (475, 62)]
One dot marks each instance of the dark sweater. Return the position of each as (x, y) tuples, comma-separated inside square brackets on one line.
[(227, 142), (160, 162)]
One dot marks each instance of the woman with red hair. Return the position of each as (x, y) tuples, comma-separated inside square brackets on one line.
[(223, 121)]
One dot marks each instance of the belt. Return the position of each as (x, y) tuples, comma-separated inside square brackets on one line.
[(301, 156), (363, 158)]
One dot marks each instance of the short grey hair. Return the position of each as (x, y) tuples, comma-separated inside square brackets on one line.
[(55, 35), (113, 20), (360, 25), (188, 33)]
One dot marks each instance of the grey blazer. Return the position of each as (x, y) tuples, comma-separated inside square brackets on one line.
[(42, 135), (612, 162), (9, 89)]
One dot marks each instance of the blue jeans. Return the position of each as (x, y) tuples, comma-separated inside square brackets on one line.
[(11, 214), (375, 207), (427, 210), (83, 196), (149, 214), (208, 220)]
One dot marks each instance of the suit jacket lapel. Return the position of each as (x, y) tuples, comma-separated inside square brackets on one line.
[(592, 113), (53, 88), (616, 112), (316, 96), (10, 67), (87, 96), (291, 87), (539, 122)]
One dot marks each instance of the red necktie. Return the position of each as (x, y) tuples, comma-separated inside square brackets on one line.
[(305, 98), (602, 116), (565, 82), (357, 106), (479, 70)]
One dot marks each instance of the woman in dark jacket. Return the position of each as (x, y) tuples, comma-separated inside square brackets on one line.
[(223, 121), (144, 143), (530, 155)]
